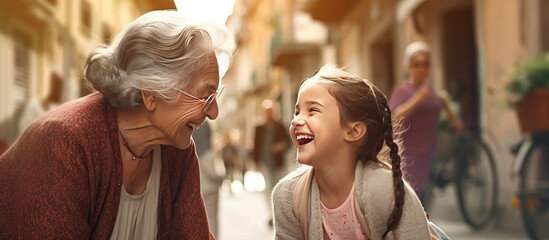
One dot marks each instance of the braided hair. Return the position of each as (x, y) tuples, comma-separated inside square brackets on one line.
[(359, 100)]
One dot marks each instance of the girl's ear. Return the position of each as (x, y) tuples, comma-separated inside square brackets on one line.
[(149, 100), (355, 131)]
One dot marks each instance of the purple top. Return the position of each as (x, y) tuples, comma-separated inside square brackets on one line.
[(419, 137)]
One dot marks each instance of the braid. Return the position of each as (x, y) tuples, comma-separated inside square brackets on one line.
[(398, 183)]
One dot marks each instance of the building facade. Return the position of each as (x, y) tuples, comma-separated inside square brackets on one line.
[(38, 37)]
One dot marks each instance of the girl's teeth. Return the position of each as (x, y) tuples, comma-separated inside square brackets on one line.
[(299, 137), (304, 139)]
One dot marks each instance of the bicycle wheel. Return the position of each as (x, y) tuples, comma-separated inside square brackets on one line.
[(438, 180), (440, 174), (428, 194), (476, 182), (534, 190)]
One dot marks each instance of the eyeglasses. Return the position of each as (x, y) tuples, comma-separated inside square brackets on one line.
[(419, 65), (206, 102)]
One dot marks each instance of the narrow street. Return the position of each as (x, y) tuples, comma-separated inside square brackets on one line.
[(243, 216)]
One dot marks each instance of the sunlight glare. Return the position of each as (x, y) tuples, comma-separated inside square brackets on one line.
[(254, 181), (210, 10)]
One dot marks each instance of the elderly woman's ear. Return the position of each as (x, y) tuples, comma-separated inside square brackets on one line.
[(149, 100)]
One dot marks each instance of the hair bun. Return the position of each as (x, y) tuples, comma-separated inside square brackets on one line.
[(103, 73)]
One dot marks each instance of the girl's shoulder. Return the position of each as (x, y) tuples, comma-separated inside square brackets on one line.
[(373, 176), (284, 191), (373, 169), (374, 182), (286, 187), (291, 179)]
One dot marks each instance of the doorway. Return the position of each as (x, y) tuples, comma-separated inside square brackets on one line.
[(383, 62), (461, 64)]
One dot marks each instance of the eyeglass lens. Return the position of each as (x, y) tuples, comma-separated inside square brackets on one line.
[(211, 98), (421, 64)]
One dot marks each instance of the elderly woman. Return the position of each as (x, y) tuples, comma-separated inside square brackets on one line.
[(120, 163), (417, 101)]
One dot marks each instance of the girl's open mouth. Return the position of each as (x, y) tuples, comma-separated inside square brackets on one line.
[(303, 139)]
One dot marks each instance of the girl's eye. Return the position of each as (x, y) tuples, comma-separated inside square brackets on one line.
[(313, 110), (295, 114)]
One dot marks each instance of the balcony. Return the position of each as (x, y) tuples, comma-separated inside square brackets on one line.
[(146, 6), (328, 11), (306, 38)]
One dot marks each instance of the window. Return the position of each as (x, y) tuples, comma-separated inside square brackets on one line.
[(106, 33), (22, 66), (86, 17), (544, 25)]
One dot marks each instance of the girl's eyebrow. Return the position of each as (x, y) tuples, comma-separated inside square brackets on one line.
[(311, 102), (314, 102)]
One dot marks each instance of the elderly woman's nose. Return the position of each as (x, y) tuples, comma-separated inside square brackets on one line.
[(213, 111)]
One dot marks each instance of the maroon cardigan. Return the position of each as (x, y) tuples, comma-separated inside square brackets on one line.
[(62, 179)]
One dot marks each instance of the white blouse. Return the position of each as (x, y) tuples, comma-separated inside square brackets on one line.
[(137, 214)]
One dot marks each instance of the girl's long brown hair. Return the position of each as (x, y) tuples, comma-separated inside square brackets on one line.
[(360, 100)]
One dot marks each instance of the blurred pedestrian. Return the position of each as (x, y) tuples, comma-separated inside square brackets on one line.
[(210, 178), (270, 144), (231, 153), (38, 106), (351, 185), (120, 163), (419, 105)]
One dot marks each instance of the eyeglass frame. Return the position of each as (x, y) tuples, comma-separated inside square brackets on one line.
[(206, 102), (421, 65)]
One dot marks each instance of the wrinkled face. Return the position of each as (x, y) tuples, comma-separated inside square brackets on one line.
[(315, 129), (178, 119), (419, 67)]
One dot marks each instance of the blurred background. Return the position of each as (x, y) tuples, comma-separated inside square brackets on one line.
[(475, 45)]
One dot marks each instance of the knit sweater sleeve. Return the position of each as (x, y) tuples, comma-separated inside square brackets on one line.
[(188, 213), (44, 188), (286, 224)]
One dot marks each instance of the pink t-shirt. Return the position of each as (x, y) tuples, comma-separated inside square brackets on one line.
[(342, 222)]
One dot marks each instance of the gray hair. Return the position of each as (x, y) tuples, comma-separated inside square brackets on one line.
[(412, 49), (157, 52)]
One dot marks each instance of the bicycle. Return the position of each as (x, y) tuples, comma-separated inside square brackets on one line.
[(470, 165), (532, 167)]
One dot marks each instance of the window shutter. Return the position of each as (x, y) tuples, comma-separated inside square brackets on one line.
[(22, 65)]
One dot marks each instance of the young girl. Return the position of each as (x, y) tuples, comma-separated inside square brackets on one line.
[(352, 187)]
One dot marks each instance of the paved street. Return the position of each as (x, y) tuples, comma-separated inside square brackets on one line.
[(244, 216)]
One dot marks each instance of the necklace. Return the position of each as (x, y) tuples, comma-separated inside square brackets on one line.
[(125, 143)]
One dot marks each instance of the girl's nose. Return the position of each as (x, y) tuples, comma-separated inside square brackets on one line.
[(296, 121)]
